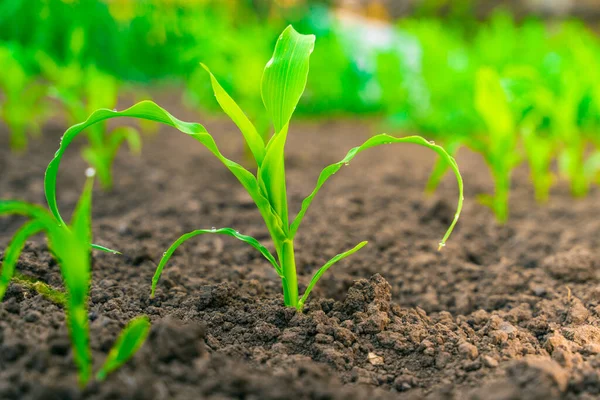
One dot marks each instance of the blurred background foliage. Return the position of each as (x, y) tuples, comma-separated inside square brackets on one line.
[(512, 80)]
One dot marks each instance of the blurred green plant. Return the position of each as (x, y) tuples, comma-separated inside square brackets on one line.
[(23, 108), (82, 89), (70, 245)]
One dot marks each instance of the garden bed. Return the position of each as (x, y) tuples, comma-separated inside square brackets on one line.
[(502, 312)]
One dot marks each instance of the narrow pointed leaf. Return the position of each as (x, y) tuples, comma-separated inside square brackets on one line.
[(28, 210), (129, 342), (81, 221), (13, 251), (285, 75), (73, 246), (229, 106), (124, 134), (151, 111), (325, 267), (271, 177), (222, 231), (374, 141), (105, 249)]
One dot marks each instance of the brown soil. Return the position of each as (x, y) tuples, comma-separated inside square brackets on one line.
[(504, 312)]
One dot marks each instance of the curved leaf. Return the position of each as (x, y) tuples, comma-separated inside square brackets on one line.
[(105, 249), (229, 106), (13, 251), (129, 342), (151, 111), (222, 231), (120, 135), (324, 268), (285, 75), (27, 210), (376, 141)]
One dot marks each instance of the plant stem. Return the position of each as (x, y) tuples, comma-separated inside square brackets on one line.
[(290, 283), (501, 196)]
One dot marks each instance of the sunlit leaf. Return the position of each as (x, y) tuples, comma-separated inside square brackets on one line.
[(129, 342), (324, 268), (253, 139), (222, 231), (374, 141)]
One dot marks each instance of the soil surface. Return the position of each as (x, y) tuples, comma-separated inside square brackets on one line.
[(503, 312)]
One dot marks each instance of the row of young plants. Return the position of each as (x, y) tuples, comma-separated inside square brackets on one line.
[(517, 93), (526, 93), (282, 84)]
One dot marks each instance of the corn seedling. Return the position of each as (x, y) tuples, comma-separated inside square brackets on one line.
[(23, 109), (282, 85), (82, 90), (70, 244)]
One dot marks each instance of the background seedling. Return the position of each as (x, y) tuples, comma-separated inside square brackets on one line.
[(282, 85), (81, 89), (23, 108), (70, 244)]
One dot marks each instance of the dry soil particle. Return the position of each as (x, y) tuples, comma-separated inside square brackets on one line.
[(506, 312)]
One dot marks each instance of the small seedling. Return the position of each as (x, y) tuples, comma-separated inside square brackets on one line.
[(82, 88), (283, 83), (23, 109), (70, 244)]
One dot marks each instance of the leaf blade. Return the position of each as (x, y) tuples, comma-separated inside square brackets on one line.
[(324, 268), (149, 110), (230, 107), (13, 251), (222, 231), (374, 141), (130, 340), (285, 76)]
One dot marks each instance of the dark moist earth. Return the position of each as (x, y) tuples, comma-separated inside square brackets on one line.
[(509, 312)]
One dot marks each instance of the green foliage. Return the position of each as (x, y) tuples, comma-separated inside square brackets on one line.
[(512, 92), (70, 244), (23, 109), (129, 342), (83, 89), (283, 83)]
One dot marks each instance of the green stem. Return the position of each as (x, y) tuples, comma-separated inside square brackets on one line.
[(288, 265), (501, 195)]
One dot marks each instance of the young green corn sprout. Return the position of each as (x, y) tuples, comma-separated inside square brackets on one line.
[(70, 244), (23, 109), (491, 103), (283, 83), (82, 90)]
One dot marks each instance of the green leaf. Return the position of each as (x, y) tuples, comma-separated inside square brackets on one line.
[(222, 231), (491, 103), (105, 249), (271, 178), (285, 75), (150, 111), (81, 221), (73, 248), (283, 83), (441, 167), (324, 268), (129, 342), (13, 251), (124, 134), (28, 210), (253, 139), (374, 141)]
